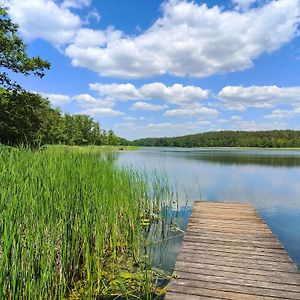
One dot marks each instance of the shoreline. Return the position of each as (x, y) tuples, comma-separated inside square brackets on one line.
[(233, 148)]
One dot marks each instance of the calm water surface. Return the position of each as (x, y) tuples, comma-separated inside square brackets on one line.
[(269, 179)]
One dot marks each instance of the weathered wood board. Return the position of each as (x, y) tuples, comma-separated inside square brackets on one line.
[(229, 252)]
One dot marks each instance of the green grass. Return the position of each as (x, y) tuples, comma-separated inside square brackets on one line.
[(92, 149), (74, 226)]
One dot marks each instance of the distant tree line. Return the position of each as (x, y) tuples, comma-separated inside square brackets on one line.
[(263, 139), (27, 118)]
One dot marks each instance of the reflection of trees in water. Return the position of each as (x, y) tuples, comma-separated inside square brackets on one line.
[(260, 160)]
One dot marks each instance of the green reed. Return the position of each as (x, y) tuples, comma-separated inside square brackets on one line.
[(74, 226)]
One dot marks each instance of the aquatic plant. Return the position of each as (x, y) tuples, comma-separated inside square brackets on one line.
[(75, 226)]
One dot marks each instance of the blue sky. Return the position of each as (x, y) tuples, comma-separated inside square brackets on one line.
[(167, 68)]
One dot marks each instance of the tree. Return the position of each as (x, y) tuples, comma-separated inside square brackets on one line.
[(112, 138), (13, 54), (52, 128), (21, 116)]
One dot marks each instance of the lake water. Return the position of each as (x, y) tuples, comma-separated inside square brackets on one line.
[(269, 179)]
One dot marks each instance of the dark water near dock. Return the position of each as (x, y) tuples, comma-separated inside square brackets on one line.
[(269, 179)]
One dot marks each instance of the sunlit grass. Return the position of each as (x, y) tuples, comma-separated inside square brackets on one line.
[(74, 226), (91, 149)]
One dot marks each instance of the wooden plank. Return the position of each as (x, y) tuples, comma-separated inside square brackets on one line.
[(180, 296), (229, 252), (234, 232), (242, 247), (239, 263), (254, 244), (192, 284), (238, 270), (243, 236), (229, 221), (198, 293), (239, 281), (229, 229), (240, 236), (219, 252), (230, 273)]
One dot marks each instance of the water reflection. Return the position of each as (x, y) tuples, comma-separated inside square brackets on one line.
[(229, 159), (266, 178)]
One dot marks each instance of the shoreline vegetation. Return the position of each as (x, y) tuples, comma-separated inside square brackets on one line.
[(91, 148), (237, 139), (75, 226)]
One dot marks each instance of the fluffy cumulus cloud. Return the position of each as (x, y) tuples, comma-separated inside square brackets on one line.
[(147, 106), (191, 110), (190, 39), (240, 98), (117, 92), (46, 19), (284, 113), (102, 112), (176, 94), (236, 118), (187, 98), (76, 3), (88, 101), (57, 99)]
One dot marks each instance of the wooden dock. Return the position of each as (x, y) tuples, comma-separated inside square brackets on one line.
[(229, 252)]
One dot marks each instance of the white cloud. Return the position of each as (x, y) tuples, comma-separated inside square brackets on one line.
[(245, 4), (57, 99), (101, 112), (76, 3), (93, 14), (191, 39), (86, 37), (45, 19), (191, 110), (256, 125), (240, 98), (236, 118), (86, 100), (185, 126), (117, 92), (176, 93), (129, 118), (147, 106), (222, 121), (283, 113), (127, 125)]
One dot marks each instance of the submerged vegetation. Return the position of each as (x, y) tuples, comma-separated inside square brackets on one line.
[(74, 226)]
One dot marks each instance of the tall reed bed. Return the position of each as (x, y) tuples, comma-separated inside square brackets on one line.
[(74, 226)]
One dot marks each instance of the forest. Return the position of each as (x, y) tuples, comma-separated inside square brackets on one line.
[(262, 139), (29, 119)]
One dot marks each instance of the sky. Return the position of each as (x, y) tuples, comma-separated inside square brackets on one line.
[(167, 68)]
